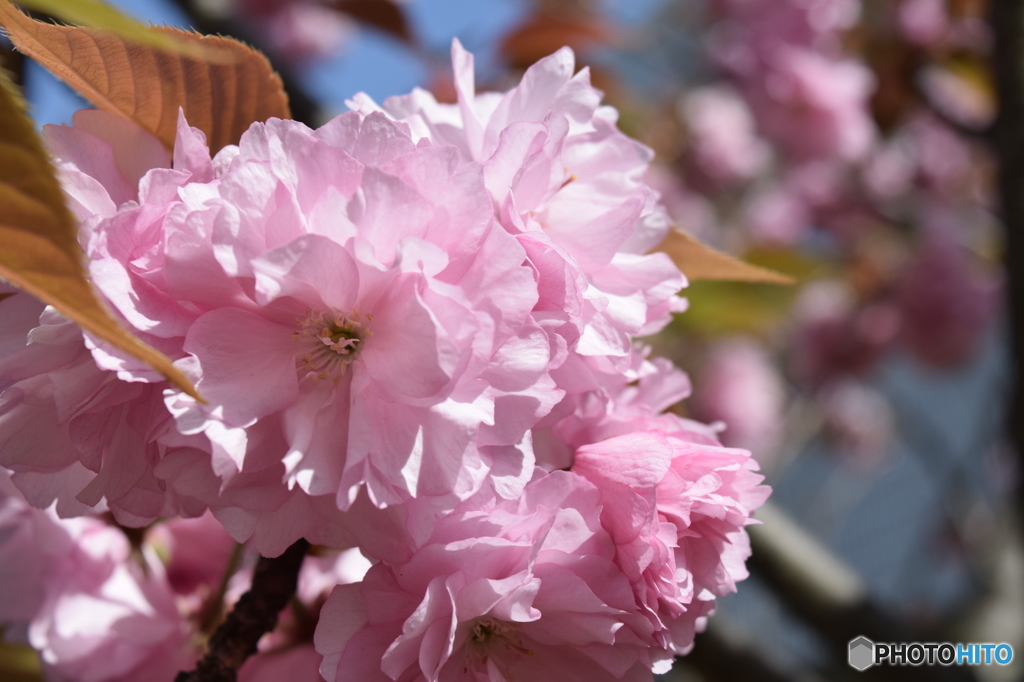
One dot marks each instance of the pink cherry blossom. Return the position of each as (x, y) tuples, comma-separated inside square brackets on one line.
[(72, 432), (413, 284), (384, 241), (358, 315), (359, 307), (93, 610), (99, 418), (300, 663), (500, 590), (612, 399), (401, 323), (571, 186), (676, 512)]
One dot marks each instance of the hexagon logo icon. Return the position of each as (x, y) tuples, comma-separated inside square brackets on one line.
[(862, 653)]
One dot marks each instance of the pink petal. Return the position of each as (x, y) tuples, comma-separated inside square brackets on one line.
[(311, 269), (247, 362)]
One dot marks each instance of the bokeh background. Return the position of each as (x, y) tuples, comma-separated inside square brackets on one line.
[(847, 143)]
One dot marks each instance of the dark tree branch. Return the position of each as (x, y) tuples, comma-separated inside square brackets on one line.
[(719, 657), (825, 594), (255, 614), (1007, 19), (1008, 66)]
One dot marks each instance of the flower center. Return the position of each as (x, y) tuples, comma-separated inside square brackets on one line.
[(488, 637), (330, 341)]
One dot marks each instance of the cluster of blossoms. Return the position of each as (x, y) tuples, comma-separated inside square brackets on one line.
[(798, 112), (414, 332), (802, 143)]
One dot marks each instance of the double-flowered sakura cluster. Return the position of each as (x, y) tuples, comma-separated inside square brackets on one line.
[(413, 329)]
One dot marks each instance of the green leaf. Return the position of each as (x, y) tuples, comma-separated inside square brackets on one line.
[(726, 308)]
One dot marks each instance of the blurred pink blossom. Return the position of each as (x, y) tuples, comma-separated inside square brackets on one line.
[(924, 22), (306, 31), (890, 171), (860, 420), (722, 134), (944, 157), (760, 26), (923, 152), (740, 386), (777, 214), (95, 611), (690, 211), (835, 336), (945, 302), (298, 30), (816, 107)]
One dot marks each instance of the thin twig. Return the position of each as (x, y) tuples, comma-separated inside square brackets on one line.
[(214, 609), (819, 589), (255, 614)]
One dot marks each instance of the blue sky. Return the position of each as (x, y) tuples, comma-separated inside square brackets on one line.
[(372, 62)]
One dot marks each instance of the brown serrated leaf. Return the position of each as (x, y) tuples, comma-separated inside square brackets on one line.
[(148, 84), (98, 14), (698, 262), (39, 249)]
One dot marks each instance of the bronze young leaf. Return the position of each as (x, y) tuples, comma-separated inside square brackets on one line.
[(222, 97), (39, 249)]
